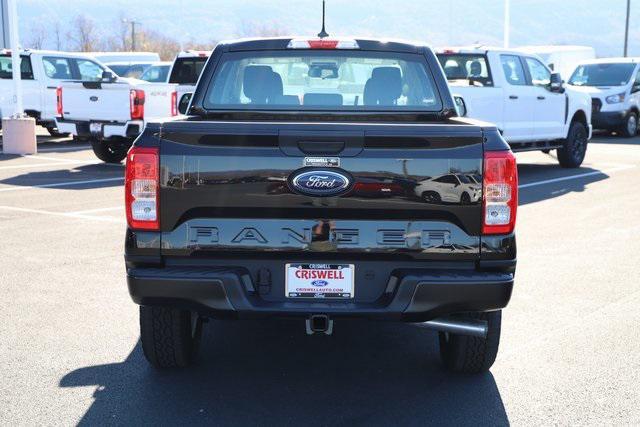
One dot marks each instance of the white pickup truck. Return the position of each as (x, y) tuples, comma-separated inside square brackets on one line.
[(529, 104), (112, 112), (41, 73), (186, 70)]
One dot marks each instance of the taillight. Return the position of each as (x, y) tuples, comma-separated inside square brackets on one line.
[(142, 184), (59, 101), (136, 105), (174, 103), (500, 185)]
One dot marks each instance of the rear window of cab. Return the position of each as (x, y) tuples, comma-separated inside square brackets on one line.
[(331, 80)]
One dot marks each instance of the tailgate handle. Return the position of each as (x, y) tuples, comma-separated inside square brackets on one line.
[(321, 147)]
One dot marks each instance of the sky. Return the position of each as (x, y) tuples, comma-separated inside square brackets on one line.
[(596, 23)]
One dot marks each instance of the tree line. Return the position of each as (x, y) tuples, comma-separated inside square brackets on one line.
[(84, 35)]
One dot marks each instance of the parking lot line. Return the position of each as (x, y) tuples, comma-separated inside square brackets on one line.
[(65, 214), (114, 208), (62, 184), (582, 175), (41, 165)]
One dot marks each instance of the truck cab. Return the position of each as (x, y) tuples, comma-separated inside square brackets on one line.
[(517, 91), (186, 69), (614, 87)]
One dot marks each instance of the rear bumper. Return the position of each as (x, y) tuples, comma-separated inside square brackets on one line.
[(82, 128), (412, 295), (608, 119)]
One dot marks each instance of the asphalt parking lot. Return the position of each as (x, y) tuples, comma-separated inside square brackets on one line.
[(69, 332)]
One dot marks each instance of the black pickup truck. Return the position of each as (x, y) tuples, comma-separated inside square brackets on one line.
[(321, 179)]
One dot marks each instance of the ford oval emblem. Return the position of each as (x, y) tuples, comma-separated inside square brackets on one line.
[(320, 183), (319, 283), (93, 98)]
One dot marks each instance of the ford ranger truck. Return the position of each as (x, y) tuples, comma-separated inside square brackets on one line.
[(323, 180)]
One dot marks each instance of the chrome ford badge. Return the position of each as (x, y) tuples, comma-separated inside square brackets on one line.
[(320, 182)]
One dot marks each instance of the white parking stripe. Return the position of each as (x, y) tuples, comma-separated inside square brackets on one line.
[(61, 184), (41, 165), (582, 175), (65, 214), (115, 208)]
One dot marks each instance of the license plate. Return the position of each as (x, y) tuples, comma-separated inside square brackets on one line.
[(95, 127), (319, 280)]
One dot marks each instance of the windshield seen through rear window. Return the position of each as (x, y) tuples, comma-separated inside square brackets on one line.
[(322, 80), (602, 74)]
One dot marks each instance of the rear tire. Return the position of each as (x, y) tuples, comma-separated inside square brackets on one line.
[(629, 128), (574, 148), (465, 199), (472, 355), (110, 151), (169, 336)]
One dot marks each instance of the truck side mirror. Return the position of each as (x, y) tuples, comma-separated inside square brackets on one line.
[(635, 88), (461, 107), (556, 83), (108, 76), (184, 102)]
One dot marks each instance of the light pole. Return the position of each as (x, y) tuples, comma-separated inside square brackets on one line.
[(507, 18), (19, 130), (133, 31), (626, 29)]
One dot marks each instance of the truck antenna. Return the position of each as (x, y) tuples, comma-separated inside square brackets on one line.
[(322, 34)]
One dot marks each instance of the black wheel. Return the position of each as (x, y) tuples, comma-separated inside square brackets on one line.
[(472, 355), (53, 131), (431, 197), (465, 199), (629, 128), (111, 151), (574, 148), (169, 336)]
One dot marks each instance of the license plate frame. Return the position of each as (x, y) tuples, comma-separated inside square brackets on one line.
[(339, 281)]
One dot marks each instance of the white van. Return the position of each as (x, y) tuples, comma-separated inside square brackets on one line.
[(614, 87), (562, 59), (41, 73)]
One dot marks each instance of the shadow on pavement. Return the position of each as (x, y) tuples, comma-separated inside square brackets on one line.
[(531, 173), (271, 373), (607, 138), (78, 173)]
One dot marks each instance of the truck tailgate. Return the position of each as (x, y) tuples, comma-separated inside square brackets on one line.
[(110, 102), (96, 101), (414, 189)]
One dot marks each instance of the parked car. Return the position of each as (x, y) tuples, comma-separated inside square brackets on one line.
[(158, 72), (450, 188), (562, 59), (131, 69), (614, 87), (186, 70), (112, 112), (247, 207), (530, 105), (125, 56), (41, 73)]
